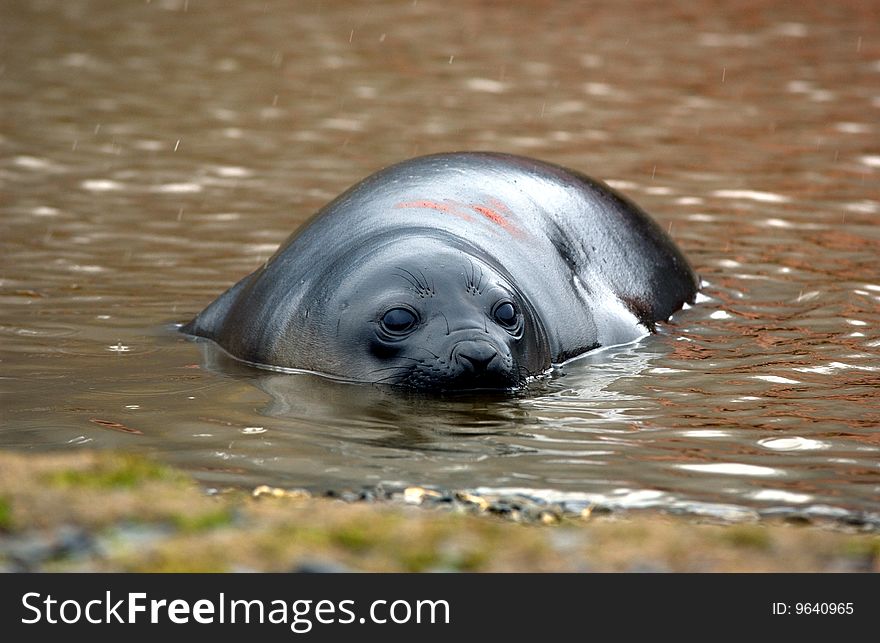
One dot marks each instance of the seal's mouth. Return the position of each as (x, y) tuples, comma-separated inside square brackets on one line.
[(459, 379), (481, 382), (469, 364)]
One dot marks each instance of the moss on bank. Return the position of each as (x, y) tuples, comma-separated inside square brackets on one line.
[(106, 512)]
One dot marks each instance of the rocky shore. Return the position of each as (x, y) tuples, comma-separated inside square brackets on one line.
[(96, 511)]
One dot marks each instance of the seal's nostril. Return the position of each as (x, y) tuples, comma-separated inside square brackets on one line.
[(477, 355)]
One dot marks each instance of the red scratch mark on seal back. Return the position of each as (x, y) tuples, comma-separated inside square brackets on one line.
[(498, 205), (449, 208), (496, 217), (492, 214)]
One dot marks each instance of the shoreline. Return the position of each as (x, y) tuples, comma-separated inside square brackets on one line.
[(103, 511)]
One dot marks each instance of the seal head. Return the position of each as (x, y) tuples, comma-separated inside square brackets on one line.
[(425, 314)]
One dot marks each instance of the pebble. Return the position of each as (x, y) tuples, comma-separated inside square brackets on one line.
[(277, 492), (481, 503), (525, 509), (416, 495)]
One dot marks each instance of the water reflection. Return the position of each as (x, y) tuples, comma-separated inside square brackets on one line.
[(480, 424)]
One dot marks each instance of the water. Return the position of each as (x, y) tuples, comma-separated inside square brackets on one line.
[(153, 153)]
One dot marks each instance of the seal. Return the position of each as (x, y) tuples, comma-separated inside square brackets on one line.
[(470, 270)]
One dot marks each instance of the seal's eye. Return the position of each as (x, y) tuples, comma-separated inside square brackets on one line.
[(399, 320), (505, 314)]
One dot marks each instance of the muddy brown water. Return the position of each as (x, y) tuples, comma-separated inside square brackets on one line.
[(152, 153)]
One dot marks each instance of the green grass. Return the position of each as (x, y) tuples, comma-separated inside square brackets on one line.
[(119, 472), (204, 521), (5, 514), (747, 536), (354, 538)]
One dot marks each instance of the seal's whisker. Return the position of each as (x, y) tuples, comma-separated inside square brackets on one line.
[(425, 279), (411, 279), (469, 277), (524, 376), (395, 371), (447, 322), (419, 284), (427, 351), (383, 380), (390, 368)]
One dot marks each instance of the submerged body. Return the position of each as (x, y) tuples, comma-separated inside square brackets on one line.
[(455, 271)]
